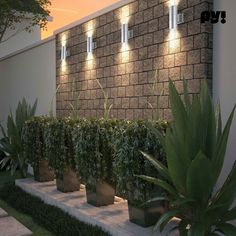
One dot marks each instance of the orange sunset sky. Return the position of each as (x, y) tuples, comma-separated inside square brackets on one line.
[(67, 11)]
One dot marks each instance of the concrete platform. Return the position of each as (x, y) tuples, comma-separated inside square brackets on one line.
[(3, 213), (11, 227), (113, 219)]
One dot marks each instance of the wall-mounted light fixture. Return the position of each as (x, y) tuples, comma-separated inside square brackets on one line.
[(174, 17), (126, 34), (90, 45), (64, 52)]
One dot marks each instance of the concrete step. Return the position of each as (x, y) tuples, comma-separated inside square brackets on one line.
[(9, 226)]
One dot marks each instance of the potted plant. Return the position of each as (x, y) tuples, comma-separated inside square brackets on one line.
[(12, 143), (133, 137), (34, 148), (195, 147), (60, 154), (94, 159)]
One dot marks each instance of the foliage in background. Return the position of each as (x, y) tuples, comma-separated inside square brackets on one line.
[(195, 146), (33, 140), (106, 106), (59, 148), (15, 11), (132, 137), (12, 143), (50, 217), (75, 97), (2, 156), (94, 150), (155, 106), (51, 103)]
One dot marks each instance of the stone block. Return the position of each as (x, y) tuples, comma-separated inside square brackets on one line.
[(194, 57)]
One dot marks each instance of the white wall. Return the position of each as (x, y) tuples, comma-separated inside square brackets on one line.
[(28, 73), (21, 38), (224, 74)]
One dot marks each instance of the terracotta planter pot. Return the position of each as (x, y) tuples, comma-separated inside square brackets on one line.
[(147, 216), (69, 182), (43, 173), (103, 195)]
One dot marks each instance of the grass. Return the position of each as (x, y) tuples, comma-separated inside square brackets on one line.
[(50, 217), (26, 220), (5, 177)]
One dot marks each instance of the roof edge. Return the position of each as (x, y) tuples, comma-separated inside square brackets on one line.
[(93, 15)]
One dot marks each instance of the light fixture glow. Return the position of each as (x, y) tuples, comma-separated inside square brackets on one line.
[(125, 15)]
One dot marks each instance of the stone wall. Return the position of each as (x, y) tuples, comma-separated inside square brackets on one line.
[(127, 75)]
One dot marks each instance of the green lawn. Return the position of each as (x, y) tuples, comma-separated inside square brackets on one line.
[(24, 219), (6, 177)]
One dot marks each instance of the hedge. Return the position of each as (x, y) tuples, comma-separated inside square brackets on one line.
[(133, 137), (33, 140), (49, 217), (104, 150), (59, 148), (94, 151)]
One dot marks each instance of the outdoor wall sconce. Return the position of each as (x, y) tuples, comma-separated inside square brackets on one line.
[(174, 17), (90, 45), (126, 34), (64, 53)]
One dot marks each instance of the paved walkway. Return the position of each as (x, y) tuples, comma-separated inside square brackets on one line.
[(113, 218), (11, 227)]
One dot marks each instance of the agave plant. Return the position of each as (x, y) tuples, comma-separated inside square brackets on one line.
[(12, 144), (195, 147)]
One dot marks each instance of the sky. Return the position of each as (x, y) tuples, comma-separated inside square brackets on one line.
[(66, 11)]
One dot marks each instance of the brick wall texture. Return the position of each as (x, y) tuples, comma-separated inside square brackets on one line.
[(127, 75)]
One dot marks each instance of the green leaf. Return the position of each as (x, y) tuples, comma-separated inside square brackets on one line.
[(221, 147), (178, 109), (177, 166), (4, 162), (200, 180), (3, 131), (165, 218), (153, 200), (230, 215), (227, 194), (160, 183), (227, 229), (158, 165), (197, 230), (183, 201)]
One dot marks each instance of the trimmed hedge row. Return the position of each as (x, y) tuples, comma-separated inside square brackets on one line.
[(133, 137), (33, 139), (100, 150), (50, 217), (59, 148)]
